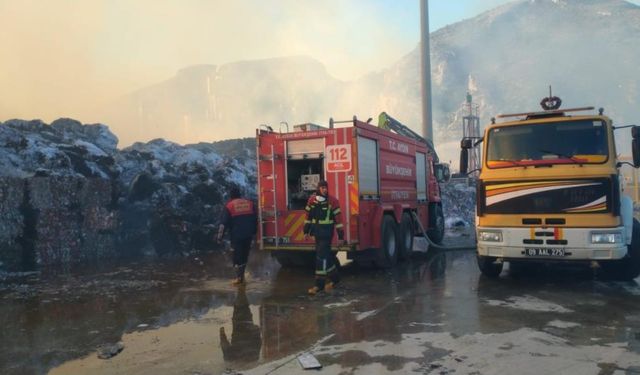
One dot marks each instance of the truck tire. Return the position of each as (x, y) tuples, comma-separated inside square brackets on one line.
[(627, 268), (387, 254), (488, 267), (436, 223), (406, 237)]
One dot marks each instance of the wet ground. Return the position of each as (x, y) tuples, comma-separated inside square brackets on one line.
[(433, 315)]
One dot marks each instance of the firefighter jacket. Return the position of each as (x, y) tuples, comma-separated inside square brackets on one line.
[(323, 214), (239, 217)]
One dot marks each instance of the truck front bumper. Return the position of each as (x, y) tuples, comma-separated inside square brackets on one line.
[(551, 244)]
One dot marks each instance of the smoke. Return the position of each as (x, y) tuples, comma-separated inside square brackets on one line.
[(68, 58), (43, 60), (90, 59)]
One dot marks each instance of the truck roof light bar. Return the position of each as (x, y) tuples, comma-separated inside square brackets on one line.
[(556, 112)]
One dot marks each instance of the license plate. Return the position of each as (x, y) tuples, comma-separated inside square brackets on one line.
[(544, 252)]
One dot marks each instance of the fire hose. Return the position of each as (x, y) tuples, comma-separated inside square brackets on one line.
[(435, 245)]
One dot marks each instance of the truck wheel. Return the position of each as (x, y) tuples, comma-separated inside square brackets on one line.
[(488, 267), (436, 223), (387, 254), (406, 237), (627, 268)]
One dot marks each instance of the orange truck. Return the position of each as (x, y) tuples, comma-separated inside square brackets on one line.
[(549, 191), (385, 178)]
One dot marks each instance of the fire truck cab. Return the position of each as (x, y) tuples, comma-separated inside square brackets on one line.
[(386, 184)]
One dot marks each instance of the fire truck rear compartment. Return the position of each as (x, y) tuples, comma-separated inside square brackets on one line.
[(304, 169), (303, 176)]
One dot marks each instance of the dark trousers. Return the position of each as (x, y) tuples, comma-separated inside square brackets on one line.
[(241, 249), (326, 265)]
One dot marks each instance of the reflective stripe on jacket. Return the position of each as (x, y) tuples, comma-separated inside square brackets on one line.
[(322, 217)]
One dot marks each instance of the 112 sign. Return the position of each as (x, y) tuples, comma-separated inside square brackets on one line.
[(338, 158)]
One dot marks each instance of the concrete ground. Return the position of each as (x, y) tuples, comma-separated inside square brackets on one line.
[(433, 315)]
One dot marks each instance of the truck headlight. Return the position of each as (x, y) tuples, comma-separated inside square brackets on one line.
[(490, 235), (606, 237)]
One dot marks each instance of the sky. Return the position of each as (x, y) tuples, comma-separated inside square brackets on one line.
[(62, 58)]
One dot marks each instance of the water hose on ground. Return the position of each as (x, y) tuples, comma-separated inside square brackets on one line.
[(435, 245)]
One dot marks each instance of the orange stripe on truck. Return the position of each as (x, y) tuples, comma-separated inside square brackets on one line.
[(354, 201), (288, 219), (297, 224), (558, 233)]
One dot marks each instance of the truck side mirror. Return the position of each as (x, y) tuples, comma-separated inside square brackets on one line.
[(466, 144), (635, 145), (464, 161), (442, 173)]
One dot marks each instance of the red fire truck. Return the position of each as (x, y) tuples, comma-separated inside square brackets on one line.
[(385, 178)]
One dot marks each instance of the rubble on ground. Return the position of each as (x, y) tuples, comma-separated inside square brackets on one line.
[(110, 350), (459, 203)]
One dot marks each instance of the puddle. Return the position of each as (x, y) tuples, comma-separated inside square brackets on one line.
[(433, 311), (529, 303)]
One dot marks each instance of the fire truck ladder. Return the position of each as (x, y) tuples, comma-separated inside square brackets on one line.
[(269, 214), (387, 122)]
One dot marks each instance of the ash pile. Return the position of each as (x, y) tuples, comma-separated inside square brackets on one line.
[(68, 194)]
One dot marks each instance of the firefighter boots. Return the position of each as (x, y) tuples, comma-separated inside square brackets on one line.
[(239, 280)]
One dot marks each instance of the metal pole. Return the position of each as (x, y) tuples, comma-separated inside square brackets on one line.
[(427, 126)]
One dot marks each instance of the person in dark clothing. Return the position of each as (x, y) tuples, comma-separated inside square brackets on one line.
[(245, 340), (323, 216), (239, 218)]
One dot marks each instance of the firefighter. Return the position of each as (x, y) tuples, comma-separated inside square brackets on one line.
[(323, 215), (239, 218)]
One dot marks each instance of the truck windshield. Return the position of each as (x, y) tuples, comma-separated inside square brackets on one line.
[(567, 142)]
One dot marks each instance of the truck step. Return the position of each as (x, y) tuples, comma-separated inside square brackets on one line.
[(269, 213), (269, 157)]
